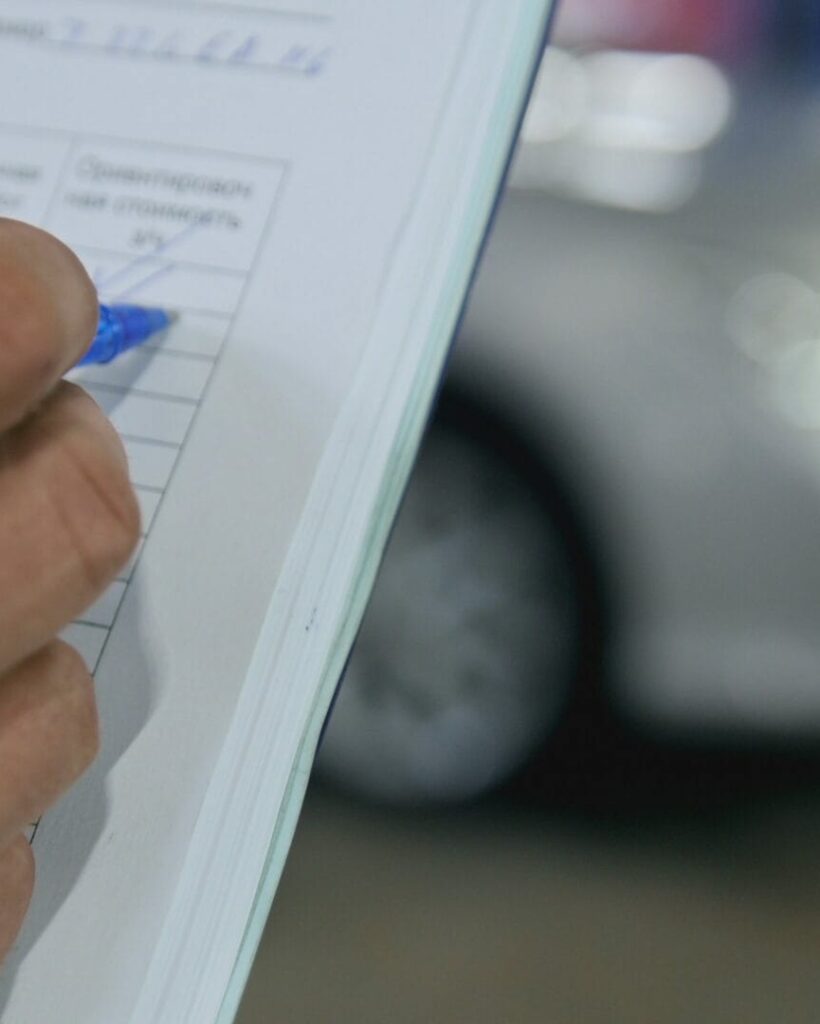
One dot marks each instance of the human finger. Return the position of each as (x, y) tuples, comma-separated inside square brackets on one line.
[(68, 518), (49, 733), (48, 316), (16, 885)]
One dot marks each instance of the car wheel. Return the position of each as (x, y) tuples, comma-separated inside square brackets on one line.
[(465, 657)]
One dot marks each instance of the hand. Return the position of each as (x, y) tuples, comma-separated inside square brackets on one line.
[(68, 522)]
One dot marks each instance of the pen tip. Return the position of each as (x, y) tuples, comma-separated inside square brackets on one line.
[(172, 315)]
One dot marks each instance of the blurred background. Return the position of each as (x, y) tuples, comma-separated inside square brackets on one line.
[(573, 773)]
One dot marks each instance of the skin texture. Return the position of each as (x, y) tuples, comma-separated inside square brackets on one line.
[(68, 522)]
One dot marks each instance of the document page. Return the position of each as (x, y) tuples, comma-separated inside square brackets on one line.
[(255, 167)]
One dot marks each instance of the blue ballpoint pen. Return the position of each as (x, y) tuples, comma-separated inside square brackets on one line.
[(124, 327)]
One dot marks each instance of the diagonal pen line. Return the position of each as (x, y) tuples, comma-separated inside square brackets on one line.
[(155, 275), (146, 257)]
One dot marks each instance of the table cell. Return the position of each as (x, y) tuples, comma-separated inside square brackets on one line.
[(205, 209), (150, 464), (151, 419), (156, 373), (88, 641), (30, 166), (148, 503), (104, 610)]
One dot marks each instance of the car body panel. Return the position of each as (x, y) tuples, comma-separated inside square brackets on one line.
[(605, 333)]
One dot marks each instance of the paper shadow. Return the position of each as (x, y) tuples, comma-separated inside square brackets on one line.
[(77, 824)]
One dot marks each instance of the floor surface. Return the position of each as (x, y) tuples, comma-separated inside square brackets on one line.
[(498, 916)]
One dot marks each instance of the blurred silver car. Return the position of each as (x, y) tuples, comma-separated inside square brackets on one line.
[(626, 462)]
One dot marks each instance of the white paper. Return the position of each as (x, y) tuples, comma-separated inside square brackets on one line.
[(256, 169)]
